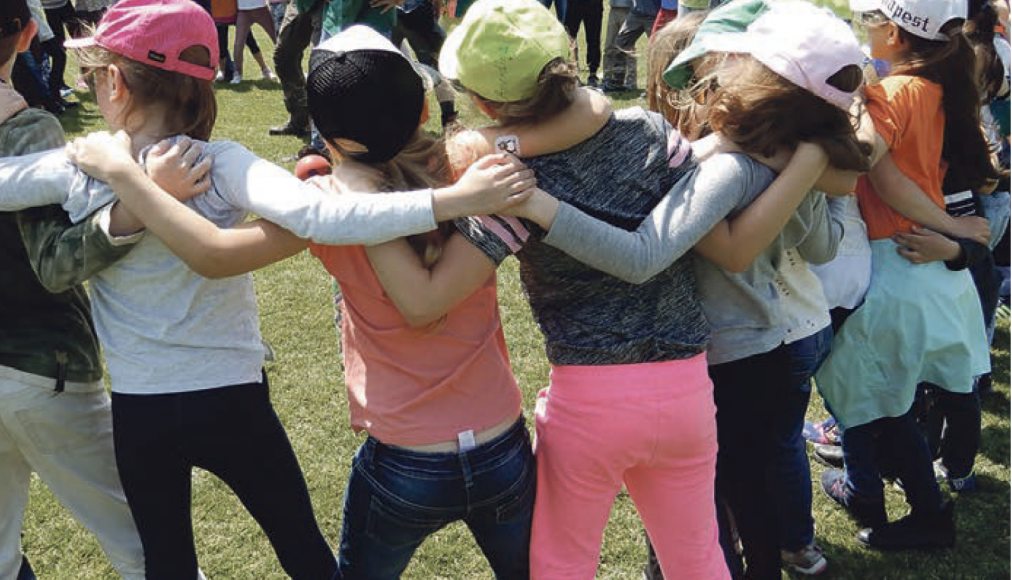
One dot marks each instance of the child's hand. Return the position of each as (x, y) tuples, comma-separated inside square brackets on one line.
[(490, 185), (179, 169), (923, 246), (973, 228), (102, 154)]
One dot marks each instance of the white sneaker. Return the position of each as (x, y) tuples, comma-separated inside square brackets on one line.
[(236, 79), (807, 561), (219, 76), (269, 75)]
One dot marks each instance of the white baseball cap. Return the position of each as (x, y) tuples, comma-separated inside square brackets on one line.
[(923, 18), (804, 44)]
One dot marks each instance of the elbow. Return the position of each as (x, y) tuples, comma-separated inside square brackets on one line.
[(212, 265)]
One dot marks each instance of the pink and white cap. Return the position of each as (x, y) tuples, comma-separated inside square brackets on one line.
[(155, 33), (923, 18), (804, 44)]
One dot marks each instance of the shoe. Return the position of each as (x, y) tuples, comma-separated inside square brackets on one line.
[(966, 484), (831, 455), (915, 531), (609, 88), (290, 128), (219, 76), (592, 81), (807, 561), (824, 432), (868, 513), (269, 75), (236, 79)]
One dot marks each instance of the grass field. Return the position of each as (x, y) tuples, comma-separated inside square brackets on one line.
[(308, 392)]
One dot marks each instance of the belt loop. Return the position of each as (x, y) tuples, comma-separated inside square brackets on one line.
[(369, 452), (61, 371)]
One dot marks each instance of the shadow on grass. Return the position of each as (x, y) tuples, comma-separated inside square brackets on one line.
[(994, 444)]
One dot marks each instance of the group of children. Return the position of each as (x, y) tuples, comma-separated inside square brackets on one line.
[(682, 376)]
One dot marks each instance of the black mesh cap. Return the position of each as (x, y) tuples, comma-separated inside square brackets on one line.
[(374, 97)]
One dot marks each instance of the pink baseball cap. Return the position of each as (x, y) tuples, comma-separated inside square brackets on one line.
[(155, 33), (805, 44)]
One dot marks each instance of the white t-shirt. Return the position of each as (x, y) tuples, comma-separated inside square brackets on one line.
[(845, 279)]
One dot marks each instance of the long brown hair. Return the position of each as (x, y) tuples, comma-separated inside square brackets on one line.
[(762, 112), (951, 64), (190, 103), (421, 164)]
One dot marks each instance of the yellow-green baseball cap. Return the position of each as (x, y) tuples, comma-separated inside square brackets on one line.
[(500, 47)]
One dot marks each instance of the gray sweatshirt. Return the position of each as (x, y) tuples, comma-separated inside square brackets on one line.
[(587, 316), (743, 309)]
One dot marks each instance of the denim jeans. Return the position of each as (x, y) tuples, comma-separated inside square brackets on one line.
[(791, 478), (396, 498), (896, 446), (761, 402)]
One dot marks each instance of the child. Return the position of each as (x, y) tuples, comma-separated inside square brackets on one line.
[(55, 417), (251, 12), (177, 341), (918, 323), (755, 334)]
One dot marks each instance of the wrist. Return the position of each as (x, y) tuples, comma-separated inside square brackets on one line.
[(446, 204)]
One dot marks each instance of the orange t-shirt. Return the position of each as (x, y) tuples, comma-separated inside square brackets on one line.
[(419, 386), (908, 115)]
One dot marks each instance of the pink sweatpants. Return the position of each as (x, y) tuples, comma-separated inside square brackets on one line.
[(650, 426)]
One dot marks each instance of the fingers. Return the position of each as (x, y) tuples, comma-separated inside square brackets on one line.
[(911, 255), (202, 185), (191, 155), (518, 198), (490, 160)]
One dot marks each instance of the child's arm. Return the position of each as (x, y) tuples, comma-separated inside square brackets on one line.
[(424, 295), (589, 112), (246, 181), (689, 212), (38, 179), (823, 232), (907, 198)]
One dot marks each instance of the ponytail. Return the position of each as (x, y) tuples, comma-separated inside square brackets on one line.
[(951, 65)]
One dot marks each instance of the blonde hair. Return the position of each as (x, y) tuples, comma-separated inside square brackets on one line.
[(421, 164), (666, 44), (190, 101)]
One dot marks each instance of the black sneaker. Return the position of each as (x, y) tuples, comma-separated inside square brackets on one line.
[(868, 513), (592, 81), (831, 455), (915, 531), (290, 128)]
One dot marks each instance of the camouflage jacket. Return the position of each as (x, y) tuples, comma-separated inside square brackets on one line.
[(45, 316)]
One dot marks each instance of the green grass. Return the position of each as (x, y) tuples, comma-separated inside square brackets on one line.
[(308, 392)]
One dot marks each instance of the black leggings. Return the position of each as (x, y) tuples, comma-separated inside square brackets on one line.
[(58, 19), (233, 433)]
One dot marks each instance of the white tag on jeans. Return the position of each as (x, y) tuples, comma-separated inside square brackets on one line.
[(465, 440)]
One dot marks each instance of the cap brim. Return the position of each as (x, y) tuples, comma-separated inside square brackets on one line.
[(80, 42), (449, 63), (679, 72)]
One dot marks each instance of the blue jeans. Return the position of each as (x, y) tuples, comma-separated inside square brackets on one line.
[(396, 498), (792, 474), (895, 446)]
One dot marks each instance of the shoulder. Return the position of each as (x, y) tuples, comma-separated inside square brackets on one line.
[(900, 88), (30, 131)]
